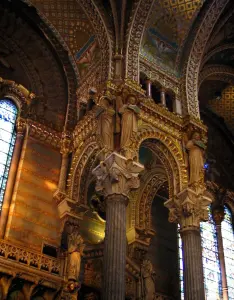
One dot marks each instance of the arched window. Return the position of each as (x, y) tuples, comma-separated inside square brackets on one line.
[(211, 266), (228, 247), (8, 115)]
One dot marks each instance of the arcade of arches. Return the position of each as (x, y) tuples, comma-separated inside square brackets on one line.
[(116, 149)]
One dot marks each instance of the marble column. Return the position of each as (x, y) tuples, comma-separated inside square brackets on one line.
[(189, 208), (148, 88), (218, 216), (192, 264), (116, 176), (163, 97), (12, 177)]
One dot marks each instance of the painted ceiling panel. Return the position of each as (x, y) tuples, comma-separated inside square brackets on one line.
[(167, 29), (70, 21)]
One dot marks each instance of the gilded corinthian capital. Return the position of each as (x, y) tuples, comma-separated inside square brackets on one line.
[(189, 207), (117, 175)]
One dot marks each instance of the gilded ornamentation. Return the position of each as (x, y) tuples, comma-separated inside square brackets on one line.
[(117, 175), (189, 207)]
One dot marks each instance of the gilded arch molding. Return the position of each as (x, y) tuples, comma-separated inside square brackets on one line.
[(174, 151), (223, 73), (201, 38), (145, 200), (136, 28), (104, 35)]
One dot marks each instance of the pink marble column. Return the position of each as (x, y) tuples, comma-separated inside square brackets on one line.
[(163, 97)]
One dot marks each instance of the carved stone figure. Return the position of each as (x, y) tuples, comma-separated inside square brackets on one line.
[(196, 148), (105, 113), (129, 120), (148, 284), (75, 251)]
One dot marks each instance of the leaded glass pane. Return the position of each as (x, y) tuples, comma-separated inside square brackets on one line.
[(181, 266), (228, 246), (8, 114), (211, 268)]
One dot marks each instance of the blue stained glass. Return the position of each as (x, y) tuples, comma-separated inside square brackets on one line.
[(8, 114), (228, 246)]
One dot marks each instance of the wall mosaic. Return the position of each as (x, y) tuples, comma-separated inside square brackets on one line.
[(167, 30)]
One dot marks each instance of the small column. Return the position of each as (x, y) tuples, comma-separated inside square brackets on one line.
[(218, 216), (163, 97), (65, 149), (148, 88), (81, 109), (189, 208), (116, 176), (177, 106), (12, 176)]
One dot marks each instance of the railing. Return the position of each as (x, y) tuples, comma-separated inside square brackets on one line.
[(29, 258)]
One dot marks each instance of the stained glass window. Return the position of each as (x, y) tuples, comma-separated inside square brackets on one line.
[(211, 268), (181, 266), (228, 246), (8, 114)]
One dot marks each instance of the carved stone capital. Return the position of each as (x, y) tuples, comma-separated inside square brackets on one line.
[(21, 125), (189, 207), (117, 175), (218, 214)]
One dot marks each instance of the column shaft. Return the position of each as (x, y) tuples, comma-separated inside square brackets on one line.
[(222, 262), (192, 264), (63, 173), (11, 183), (163, 97), (148, 88), (115, 248)]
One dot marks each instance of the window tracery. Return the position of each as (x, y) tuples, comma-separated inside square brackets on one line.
[(8, 115)]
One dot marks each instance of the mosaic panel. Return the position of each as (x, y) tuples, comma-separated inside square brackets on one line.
[(224, 107), (71, 22), (167, 29)]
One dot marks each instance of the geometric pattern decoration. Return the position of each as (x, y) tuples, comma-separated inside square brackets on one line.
[(8, 115), (224, 107), (228, 245), (167, 29)]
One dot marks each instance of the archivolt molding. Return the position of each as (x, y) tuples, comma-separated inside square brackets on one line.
[(135, 31), (79, 163), (104, 35), (145, 199), (174, 148), (198, 47), (216, 50), (226, 73)]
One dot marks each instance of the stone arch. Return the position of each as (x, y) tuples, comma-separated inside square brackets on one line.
[(174, 149), (80, 160), (215, 51), (209, 18), (104, 35), (223, 73), (136, 28)]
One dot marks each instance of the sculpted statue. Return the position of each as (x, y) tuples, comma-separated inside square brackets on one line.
[(129, 113), (75, 251), (148, 284), (196, 149), (105, 113)]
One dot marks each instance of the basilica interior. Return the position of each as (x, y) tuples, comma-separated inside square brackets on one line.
[(116, 149)]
